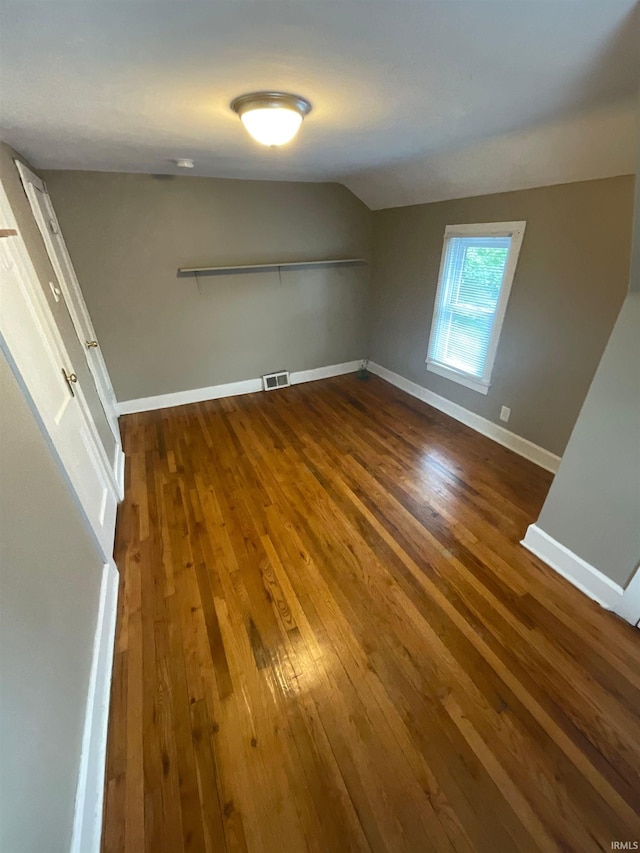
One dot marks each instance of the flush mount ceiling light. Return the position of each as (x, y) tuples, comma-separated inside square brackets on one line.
[(272, 118)]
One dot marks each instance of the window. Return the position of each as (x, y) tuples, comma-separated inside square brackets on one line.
[(476, 271)]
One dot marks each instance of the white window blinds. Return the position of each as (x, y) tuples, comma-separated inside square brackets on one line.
[(470, 302)]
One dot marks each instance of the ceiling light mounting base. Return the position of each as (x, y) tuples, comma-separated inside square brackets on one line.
[(270, 100)]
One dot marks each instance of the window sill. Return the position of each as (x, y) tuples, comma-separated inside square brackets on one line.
[(461, 378)]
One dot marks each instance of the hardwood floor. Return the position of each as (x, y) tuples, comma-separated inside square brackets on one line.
[(329, 639)]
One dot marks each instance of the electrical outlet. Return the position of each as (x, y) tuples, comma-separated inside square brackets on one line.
[(505, 413)]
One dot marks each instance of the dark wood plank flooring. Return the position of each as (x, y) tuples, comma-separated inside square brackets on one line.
[(329, 639)]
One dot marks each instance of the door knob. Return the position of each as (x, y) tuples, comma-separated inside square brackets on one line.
[(91, 344), (70, 379)]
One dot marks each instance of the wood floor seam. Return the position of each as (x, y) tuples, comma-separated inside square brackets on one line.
[(330, 639)]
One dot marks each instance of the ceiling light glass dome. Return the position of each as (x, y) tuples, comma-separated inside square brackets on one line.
[(271, 118)]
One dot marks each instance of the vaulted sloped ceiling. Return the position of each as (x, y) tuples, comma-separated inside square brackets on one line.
[(413, 100)]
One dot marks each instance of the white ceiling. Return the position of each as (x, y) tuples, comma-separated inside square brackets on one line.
[(413, 100)]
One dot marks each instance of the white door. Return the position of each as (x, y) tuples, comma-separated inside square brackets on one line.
[(32, 344), (47, 221)]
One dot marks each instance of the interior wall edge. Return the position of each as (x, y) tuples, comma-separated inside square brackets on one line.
[(535, 185), (230, 389), (570, 283), (587, 578), (629, 607), (51, 575), (160, 332), (522, 446), (87, 821)]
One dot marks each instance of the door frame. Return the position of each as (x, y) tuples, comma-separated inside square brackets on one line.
[(72, 294), (43, 318), (87, 821)]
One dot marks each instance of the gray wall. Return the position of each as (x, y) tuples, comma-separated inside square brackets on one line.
[(35, 245), (571, 280), (593, 507), (634, 284), (128, 234), (50, 579)]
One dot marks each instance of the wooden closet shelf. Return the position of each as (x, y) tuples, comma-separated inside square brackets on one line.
[(273, 265)]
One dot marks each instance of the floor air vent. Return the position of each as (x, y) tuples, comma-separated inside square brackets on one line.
[(276, 380)]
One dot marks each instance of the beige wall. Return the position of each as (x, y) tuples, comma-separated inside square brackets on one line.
[(128, 234), (160, 333), (634, 283), (50, 580), (571, 280), (38, 254), (593, 507)]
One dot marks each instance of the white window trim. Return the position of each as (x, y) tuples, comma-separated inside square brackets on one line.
[(515, 230)]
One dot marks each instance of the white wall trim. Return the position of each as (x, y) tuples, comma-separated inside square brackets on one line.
[(62, 265), (513, 230), (572, 567), (629, 606), (522, 446), (324, 372), (87, 821), (230, 389), (481, 386), (195, 395), (118, 470), (36, 315)]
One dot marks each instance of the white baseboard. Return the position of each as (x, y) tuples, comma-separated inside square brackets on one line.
[(118, 470), (196, 395), (324, 372), (572, 567), (87, 821), (522, 446), (629, 607), (230, 389)]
